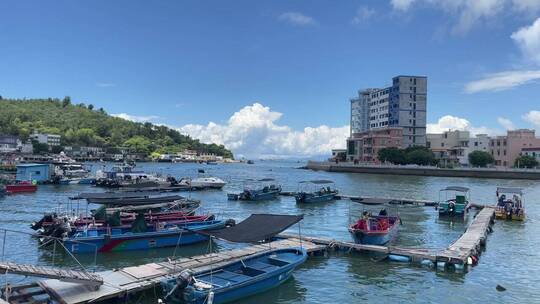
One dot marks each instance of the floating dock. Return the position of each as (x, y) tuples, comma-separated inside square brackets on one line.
[(67, 287)]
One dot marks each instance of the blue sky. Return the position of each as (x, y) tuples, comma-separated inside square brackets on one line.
[(193, 62)]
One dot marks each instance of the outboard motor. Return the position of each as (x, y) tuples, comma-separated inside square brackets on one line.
[(182, 281), (451, 208)]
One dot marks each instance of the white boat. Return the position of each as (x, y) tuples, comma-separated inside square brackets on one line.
[(207, 182)]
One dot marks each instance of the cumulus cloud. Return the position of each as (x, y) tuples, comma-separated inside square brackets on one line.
[(449, 122), (506, 123), (254, 131), (401, 5), (363, 14), (502, 81), (533, 117), (528, 40), (135, 118), (297, 18)]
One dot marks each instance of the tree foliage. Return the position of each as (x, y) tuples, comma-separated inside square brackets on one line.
[(480, 158), (413, 155), (525, 161), (82, 126)]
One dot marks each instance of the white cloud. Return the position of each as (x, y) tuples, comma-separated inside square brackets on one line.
[(135, 118), (297, 19), (254, 132), (533, 117), (449, 122), (105, 84), (506, 123), (363, 14), (401, 5), (528, 40), (467, 12), (502, 81)]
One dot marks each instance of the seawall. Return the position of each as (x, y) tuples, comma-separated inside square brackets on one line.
[(528, 174)]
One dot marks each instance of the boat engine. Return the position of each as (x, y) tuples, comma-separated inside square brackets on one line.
[(182, 281), (230, 223), (451, 208)]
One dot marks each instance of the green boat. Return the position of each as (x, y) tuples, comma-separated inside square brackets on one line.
[(455, 203)]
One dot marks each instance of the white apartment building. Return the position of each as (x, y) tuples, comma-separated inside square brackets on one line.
[(49, 139)]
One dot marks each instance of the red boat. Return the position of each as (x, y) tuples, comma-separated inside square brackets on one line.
[(21, 187)]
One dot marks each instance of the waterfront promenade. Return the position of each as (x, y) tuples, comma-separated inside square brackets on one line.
[(528, 174)]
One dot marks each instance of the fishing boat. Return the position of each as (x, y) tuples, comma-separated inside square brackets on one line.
[(208, 182), (375, 230), (455, 203), (21, 187), (160, 235), (72, 174), (236, 280), (230, 282), (125, 175), (324, 194), (128, 198), (510, 208), (261, 190)]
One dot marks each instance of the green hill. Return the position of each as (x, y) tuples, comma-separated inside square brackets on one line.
[(82, 125)]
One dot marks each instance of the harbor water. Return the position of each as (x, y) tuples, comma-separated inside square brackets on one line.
[(511, 259)]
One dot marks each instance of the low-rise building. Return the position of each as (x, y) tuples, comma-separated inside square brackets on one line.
[(37, 172), (9, 143), (533, 152), (365, 146), (454, 146), (339, 154), (505, 149), (50, 139)]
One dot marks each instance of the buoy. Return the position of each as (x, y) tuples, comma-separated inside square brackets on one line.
[(159, 301), (469, 261), (426, 263), (500, 288), (398, 258), (210, 297)]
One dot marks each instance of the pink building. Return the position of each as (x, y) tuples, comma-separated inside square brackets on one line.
[(505, 149), (364, 146)]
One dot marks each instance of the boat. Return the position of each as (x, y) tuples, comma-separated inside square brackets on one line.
[(72, 174), (261, 190), (510, 208), (203, 182), (139, 237), (456, 202), (2, 191), (128, 198), (236, 280), (375, 230), (243, 277), (324, 194), (21, 187), (125, 176)]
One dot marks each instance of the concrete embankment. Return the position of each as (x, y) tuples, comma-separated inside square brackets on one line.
[(426, 171)]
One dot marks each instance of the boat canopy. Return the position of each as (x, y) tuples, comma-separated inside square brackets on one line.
[(510, 190), (256, 228), (318, 181), (456, 188)]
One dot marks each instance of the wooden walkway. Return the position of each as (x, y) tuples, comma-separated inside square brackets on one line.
[(129, 280), (52, 273)]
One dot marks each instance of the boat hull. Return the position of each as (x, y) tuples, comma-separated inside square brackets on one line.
[(139, 241), (310, 199), (455, 211), (502, 214), (77, 181), (25, 188), (375, 237)]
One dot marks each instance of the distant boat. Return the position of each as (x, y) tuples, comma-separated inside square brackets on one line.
[(234, 281), (324, 194), (250, 162), (455, 203), (262, 190), (2, 191), (21, 187), (375, 230), (207, 183), (73, 173)]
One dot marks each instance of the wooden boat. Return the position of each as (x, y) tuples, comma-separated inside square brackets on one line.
[(375, 230), (324, 194), (510, 208), (236, 280), (136, 200), (21, 187), (456, 202), (118, 239), (262, 191)]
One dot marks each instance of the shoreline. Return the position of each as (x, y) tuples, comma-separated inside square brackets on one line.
[(526, 174)]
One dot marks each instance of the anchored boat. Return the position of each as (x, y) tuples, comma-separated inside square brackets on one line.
[(324, 194), (510, 204), (262, 190), (456, 202), (21, 187), (235, 280), (375, 230)]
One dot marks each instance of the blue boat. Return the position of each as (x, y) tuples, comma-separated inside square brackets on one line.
[(324, 194), (236, 280), (118, 239), (375, 230), (455, 203), (263, 191)]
